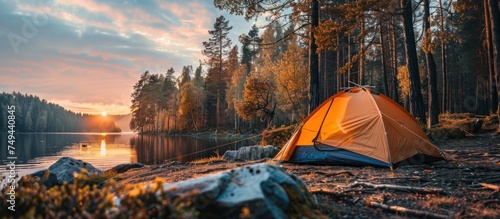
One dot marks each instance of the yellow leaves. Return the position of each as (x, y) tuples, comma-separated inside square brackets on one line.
[(404, 81), (428, 44), (292, 79), (257, 97), (325, 35), (245, 213), (191, 98), (134, 193)]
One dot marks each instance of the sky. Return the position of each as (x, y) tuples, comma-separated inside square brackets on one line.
[(86, 55)]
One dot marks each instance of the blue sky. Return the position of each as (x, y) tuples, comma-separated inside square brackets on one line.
[(86, 55)]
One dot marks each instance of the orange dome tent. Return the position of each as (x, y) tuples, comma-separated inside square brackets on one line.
[(357, 127)]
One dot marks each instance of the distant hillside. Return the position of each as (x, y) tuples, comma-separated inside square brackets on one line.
[(33, 114)]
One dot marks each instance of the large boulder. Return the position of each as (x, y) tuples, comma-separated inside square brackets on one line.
[(64, 168), (260, 190), (251, 153)]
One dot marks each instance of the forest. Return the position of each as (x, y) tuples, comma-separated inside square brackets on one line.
[(33, 114), (431, 56)]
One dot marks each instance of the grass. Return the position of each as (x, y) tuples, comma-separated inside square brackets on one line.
[(210, 159), (98, 179)]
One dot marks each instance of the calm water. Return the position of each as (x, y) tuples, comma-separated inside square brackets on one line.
[(37, 151)]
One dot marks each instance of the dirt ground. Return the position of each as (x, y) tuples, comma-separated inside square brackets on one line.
[(466, 188)]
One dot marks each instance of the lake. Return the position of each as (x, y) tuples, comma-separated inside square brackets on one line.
[(37, 151)]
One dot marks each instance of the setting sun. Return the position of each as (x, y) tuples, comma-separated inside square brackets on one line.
[(104, 113)]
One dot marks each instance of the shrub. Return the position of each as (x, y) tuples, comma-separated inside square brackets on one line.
[(81, 200)]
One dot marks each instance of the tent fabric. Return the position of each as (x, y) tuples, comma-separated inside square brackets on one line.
[(359, 128)]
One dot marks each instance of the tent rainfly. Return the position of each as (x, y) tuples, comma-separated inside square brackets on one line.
[(359, 128)]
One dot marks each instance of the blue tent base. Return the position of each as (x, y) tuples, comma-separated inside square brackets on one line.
[(336, 156)]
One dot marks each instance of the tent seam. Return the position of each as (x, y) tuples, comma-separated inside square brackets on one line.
[(383, 126)]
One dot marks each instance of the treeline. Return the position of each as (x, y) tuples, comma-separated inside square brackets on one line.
[(229, 91), (33, 114), (434, 57)]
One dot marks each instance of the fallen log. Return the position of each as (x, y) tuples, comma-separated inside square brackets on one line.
[(421, 190), (399, 209)]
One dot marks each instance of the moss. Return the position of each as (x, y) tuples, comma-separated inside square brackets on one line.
[(83, 199)]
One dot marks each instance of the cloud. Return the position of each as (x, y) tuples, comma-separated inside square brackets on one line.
[(89, 54), (92, 108)]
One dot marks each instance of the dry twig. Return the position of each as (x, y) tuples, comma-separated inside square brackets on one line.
[(399, 209), (399, 188), (490, 186), (329, 193)]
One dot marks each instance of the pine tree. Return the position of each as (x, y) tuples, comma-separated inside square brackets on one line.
[(145, 103), (168, 99), (250, 47), (216, 50)]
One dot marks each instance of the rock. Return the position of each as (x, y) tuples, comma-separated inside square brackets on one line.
[(209, 188), (265, 190), (230, 155), (49, 180), (251, 153), (63, 169), (121, 168)]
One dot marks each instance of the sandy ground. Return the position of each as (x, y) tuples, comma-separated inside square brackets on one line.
[(466, 188)]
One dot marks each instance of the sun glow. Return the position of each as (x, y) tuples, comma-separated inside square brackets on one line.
[(104, 113)]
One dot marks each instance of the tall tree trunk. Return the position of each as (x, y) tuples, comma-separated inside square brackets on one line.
[(490, 62), (217, 108), (395, 84), (349, 60), (313, 59), (416, 99), (384, 66), (339, 83), (431, 70), (445, 100), (168, 122), (495, 37), (325, 75), (361, 76)]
